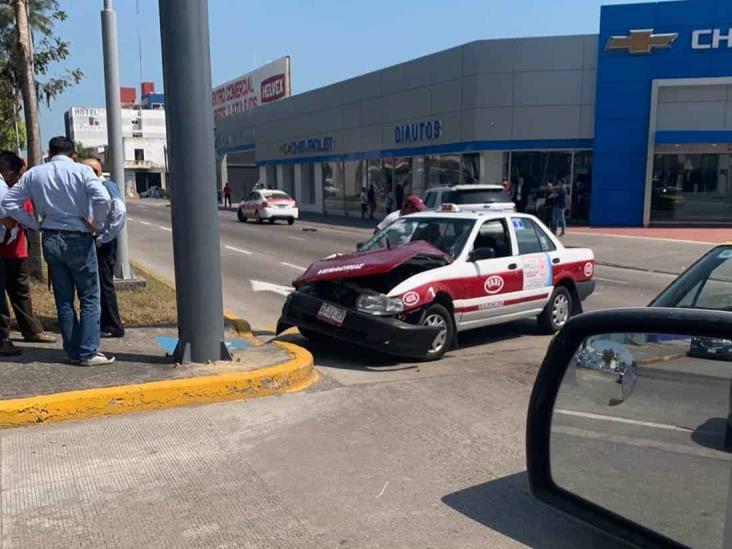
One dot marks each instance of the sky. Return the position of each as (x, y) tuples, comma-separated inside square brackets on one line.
[(327, 40)]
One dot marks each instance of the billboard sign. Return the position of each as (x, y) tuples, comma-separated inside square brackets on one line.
[(266, 84)]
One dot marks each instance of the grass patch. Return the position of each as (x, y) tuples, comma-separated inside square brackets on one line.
[(150, 306)]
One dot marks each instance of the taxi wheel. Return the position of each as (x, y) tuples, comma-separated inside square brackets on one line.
[(241, 216), (557, 311), (257, 217), (438, 316), (290, 220), (271, 220)]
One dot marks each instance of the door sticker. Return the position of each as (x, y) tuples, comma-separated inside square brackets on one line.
[(537, 271), (493, 284)]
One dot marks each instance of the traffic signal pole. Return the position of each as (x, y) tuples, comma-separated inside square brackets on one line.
[(190, 126)]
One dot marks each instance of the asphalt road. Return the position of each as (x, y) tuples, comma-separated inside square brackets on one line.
[(379, 453)]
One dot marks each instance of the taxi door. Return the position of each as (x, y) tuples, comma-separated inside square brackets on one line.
[(489, 294), (536, 254)]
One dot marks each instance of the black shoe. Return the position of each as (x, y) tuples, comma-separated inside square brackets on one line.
[(8, 349), (110, 334)]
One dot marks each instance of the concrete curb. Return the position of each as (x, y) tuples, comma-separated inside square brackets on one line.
[(294, 375)]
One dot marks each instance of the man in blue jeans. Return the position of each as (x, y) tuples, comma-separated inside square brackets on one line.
[(559, 207), (71, 202)]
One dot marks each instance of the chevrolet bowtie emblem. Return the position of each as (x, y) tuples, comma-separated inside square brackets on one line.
[(641, 41)]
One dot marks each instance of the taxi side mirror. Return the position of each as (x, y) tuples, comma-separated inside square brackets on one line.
[(360, 245), (630, 408), (482, 253)]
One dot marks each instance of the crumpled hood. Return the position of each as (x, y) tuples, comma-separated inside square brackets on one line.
[(370, 263)]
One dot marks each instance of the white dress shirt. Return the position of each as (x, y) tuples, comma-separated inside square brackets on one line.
[(63, 194)]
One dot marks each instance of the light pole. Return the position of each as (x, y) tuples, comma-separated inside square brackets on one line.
[(189, 117), (114, 125)]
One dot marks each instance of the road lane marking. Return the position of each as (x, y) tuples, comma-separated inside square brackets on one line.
[(286, 264), (634, 237), (165, 228), (259, 286), (238, 250), (145, 223), (694, 450), (296, 238), (602, 417), (130, 218), (611, 281)]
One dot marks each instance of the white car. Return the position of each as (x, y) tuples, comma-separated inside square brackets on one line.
[(268, 204), (419, 281), (470, 198)]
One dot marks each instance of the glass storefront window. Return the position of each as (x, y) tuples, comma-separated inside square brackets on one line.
[(376, 177), (443, 170), (353, 180), (288, 180), (332, 184), (691, 188), (471, 168), (307, 184), (539, 170), (271, 182)]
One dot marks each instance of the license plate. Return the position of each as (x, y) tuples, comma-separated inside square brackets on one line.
[(282, 205), (331, 314)]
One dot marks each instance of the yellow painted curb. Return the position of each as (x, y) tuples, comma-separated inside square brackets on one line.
[(294, 375), (659, 359), (165, 281)]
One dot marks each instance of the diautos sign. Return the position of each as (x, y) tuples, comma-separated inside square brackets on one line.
[(304, 146), (418, 131)]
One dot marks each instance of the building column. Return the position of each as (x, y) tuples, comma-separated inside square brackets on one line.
[(491, 167), (298, 184), (280, 182), (263, 175), (222, 173)]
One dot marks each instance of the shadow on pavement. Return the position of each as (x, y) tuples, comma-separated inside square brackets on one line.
[(714, 433), (506, 506)]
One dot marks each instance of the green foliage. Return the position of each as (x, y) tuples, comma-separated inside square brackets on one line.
[(82, 153), (48, 50)]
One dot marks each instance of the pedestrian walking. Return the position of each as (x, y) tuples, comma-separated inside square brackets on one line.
[(399, 196), (14, 255), (364, 202), (559, 207), (106, 242), (372, 200), (227, 195), (68, 197)]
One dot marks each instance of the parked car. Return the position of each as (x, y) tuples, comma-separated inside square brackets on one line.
[(270, 205), (427, 276), (470, 198)]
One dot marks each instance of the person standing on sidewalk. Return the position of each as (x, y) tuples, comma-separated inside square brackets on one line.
[(558, 208), (6, 346), (371, 195), (110, 323), (14, 254), (364, 202), (68, 197), (227, 195)]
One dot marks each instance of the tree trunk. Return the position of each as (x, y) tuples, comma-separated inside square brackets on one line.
[(30, 111)]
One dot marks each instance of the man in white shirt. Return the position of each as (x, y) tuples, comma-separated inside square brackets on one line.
[(68, 198)]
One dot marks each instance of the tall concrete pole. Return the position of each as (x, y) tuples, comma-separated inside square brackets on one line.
[(114, 125), (190, 125)]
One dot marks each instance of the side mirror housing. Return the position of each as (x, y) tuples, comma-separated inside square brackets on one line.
[(482, 253), (360, 245), (629, 409)]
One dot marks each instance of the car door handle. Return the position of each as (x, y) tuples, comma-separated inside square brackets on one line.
[(513, 266), (556, 260)]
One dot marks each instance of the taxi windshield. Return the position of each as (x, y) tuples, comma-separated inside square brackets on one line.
[(448, 235), (706, 285)]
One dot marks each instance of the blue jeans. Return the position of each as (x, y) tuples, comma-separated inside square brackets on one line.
[(72, 263), (558, 220)]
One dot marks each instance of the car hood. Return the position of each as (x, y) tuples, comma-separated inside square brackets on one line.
[(370, 263)]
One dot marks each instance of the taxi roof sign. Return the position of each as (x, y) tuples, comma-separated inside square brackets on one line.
[(449, 207)]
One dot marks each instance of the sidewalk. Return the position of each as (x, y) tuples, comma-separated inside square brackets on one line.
[(40, 385)]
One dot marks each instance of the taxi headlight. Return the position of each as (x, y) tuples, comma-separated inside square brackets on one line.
[(379, 304)]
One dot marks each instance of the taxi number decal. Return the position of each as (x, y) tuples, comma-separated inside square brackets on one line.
[(491, 305)]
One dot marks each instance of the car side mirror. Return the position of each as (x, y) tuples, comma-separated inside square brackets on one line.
[(629, 426), (360, 245), (482, 253)]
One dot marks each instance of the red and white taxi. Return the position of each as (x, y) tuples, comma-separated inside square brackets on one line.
[(427, 276), (270, 205)]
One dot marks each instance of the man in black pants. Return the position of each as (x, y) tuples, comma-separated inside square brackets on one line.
[(111, 323)]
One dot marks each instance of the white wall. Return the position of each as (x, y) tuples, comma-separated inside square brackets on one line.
[(154, 151)]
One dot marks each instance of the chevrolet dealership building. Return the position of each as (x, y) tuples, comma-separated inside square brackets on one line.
[(638, 118)]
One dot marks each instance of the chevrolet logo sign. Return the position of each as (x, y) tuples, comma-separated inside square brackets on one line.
[(641, 41)]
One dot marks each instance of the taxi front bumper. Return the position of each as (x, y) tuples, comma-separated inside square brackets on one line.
[(385, 334)]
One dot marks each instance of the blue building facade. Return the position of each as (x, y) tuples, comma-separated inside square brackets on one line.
[(674, 96)]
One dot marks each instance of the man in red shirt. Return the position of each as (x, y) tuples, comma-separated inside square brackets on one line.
[(14, 255)]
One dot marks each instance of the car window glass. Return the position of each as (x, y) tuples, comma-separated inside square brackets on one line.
[(716, 292), (544, 241), (494, 234), (448, 235), (528, 240), (706, 285), (476, 196), (430, 199)]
